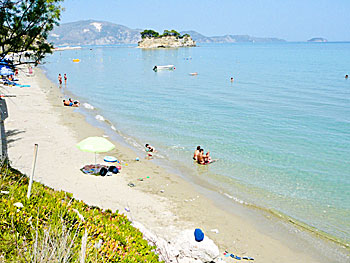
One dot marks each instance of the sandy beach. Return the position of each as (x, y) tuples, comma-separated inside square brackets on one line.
[(164, 203)]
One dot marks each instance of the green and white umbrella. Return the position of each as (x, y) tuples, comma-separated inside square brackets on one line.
[(95, 145)]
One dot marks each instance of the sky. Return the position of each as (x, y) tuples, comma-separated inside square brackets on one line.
[(292, 20)]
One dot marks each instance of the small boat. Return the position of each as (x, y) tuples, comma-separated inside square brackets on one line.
[(166, 67)]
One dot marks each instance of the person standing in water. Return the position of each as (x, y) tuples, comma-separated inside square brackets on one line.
[(65, 79), (60, 79)]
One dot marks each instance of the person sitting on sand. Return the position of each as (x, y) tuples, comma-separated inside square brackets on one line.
[(196, 152), (67, 103), (76, 103)]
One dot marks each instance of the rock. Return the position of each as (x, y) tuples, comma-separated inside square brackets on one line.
[(204, 251), (184, 249), (167, 42)]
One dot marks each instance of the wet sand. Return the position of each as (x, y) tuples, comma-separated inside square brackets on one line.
[(164, 203)]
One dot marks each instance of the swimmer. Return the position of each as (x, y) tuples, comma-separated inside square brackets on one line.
[(196, 152), (232, 80), (346, 76), (149, 148)]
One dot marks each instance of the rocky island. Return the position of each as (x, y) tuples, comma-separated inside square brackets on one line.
[(318, 39), (169, 39)]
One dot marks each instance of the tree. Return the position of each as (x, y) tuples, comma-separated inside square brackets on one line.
[(24, 28), (174, 33), (149, 33)]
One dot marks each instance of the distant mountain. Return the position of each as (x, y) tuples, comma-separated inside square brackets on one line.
[(92, 32), (317, 39), (229, 38)]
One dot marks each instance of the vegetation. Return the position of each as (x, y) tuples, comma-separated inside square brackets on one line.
[(149, 33), (54, 227), (24, 28), (154, 34)]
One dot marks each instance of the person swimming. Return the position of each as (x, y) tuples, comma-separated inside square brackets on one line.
[(346, 76), (149, 148)]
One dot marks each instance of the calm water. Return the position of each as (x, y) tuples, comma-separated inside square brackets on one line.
[(281, 131)]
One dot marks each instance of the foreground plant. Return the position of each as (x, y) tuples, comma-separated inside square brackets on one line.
[(54, 227)]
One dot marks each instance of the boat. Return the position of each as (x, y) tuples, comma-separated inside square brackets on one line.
[(166, 67)]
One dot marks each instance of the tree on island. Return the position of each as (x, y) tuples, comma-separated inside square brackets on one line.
[(171, 33), (24, 28), (149, 33)]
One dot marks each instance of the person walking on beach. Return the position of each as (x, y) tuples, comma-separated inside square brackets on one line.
[(60, 79), (65, 79)]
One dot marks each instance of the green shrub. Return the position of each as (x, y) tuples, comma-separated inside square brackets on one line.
[(48, 227)]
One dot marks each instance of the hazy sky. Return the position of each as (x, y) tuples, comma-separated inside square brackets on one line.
[(293, 20)]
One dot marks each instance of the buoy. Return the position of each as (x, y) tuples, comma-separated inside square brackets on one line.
[(76, 60)]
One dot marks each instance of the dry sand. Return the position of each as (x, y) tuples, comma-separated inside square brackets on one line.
[(36, 115)]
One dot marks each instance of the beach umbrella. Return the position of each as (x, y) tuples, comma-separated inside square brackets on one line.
[(95, 145)]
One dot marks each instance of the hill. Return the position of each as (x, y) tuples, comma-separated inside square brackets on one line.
[(92, 32), (229, 38), (318, 39)]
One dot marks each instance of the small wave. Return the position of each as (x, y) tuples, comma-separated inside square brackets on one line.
[(99, 117), (235, 199), (88, 106)]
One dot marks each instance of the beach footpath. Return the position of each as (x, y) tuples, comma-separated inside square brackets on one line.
[(158, 204)]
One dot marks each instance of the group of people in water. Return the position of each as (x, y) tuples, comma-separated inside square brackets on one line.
[(71, 103), (60, 79), (200, 157)]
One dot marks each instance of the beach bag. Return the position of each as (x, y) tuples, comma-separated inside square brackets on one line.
[(103, 171), (198, 235), (113, 169)]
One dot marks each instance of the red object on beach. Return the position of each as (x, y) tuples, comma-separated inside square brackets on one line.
[(119, 167)]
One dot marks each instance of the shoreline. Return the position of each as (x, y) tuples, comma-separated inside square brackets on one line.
[(242, 237)]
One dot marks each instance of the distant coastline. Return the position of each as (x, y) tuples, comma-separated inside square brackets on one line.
[(318, 40), (92, 32)]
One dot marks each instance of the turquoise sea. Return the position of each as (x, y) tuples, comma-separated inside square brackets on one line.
[(281, 130)]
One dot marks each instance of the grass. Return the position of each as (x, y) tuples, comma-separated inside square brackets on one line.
[(54, 227)]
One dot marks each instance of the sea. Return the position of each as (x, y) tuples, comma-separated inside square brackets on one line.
[(280, 132)]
